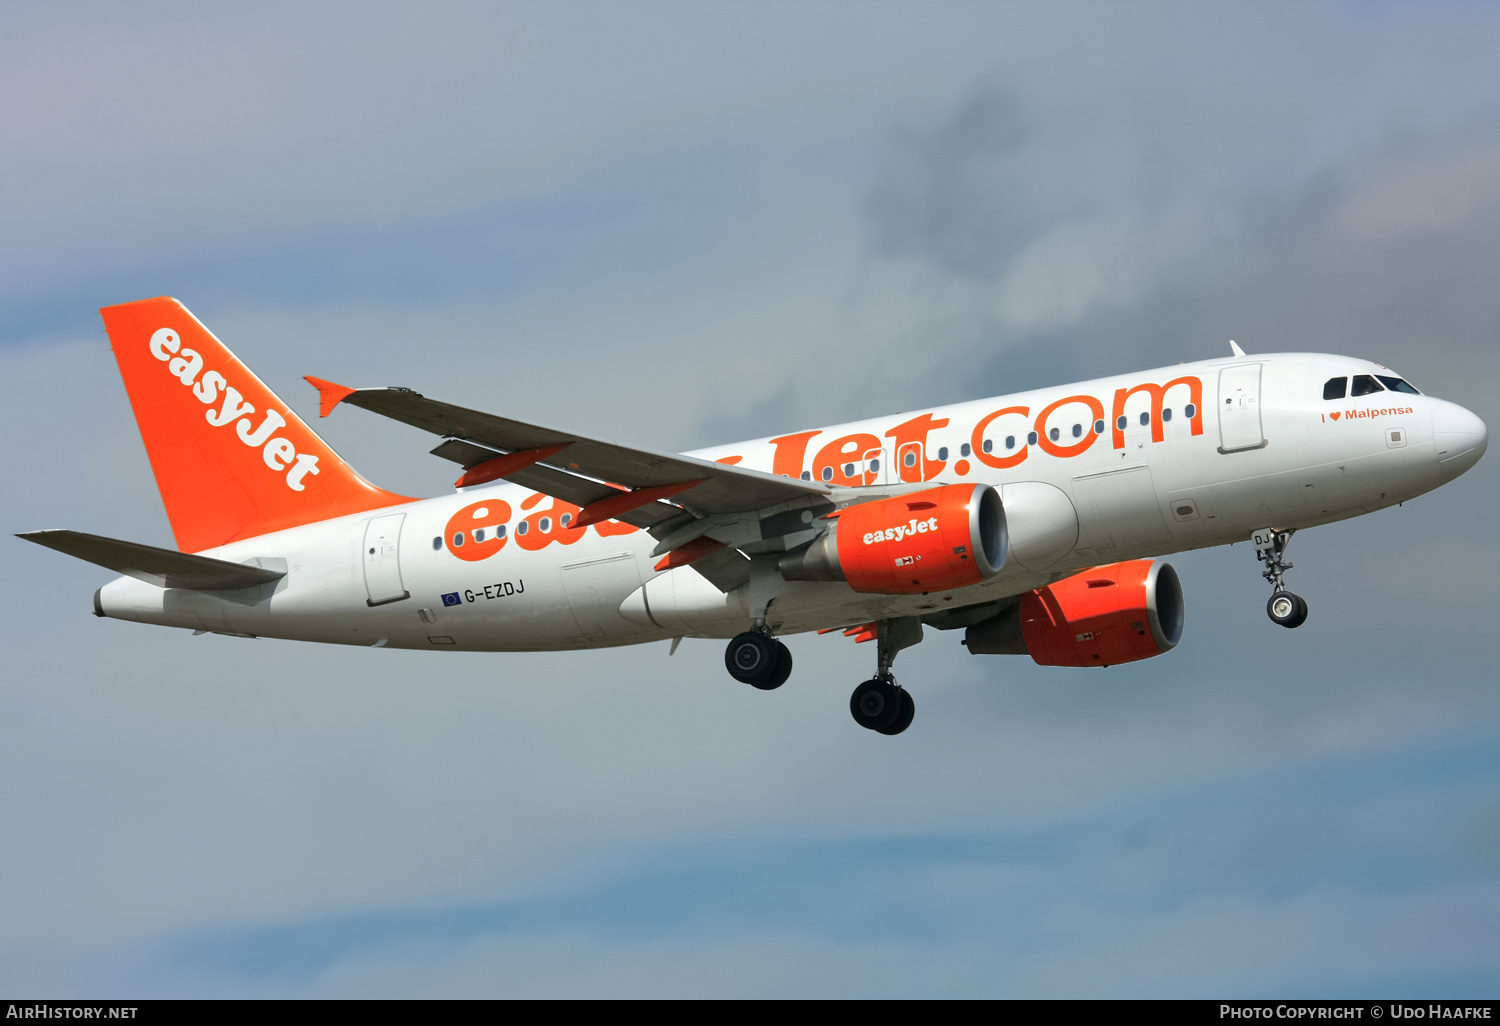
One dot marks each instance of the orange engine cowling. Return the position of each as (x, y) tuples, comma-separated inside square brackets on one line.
[(1110, 614), (933, 540)]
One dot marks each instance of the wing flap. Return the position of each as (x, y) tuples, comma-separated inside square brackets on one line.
[(164, 568)]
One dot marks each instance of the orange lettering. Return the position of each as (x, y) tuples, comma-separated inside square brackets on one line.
[(532, 534), (1050, 447), (848, 451), (916, 431), (1158, 394), (790, 451), (976, 441), (475, 532)]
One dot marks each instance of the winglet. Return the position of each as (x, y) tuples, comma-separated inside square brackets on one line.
[(329, 394), (1235, 349)]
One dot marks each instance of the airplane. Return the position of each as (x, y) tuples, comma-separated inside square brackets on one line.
[(1030, 522)]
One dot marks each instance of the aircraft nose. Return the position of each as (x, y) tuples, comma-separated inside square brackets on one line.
[(1461, 438)]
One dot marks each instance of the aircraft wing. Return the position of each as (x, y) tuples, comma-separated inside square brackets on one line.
[(581, 470)]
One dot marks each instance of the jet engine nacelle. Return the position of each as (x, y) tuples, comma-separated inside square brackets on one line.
[(934, 540), (1110, 614)]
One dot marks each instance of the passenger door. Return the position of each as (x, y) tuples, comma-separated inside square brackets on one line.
[(383, 560), (1239, 408)]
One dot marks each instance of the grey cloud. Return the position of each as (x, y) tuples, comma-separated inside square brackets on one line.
[(954, 196)]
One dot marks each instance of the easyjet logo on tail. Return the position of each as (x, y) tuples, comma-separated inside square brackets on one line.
[(186, 365)]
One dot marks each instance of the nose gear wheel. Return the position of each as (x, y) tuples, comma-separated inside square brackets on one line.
[(1287, 609)]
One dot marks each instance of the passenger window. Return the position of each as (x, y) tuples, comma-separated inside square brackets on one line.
[(1098, 427), (544, 525), (1364, 384), (1120, 423), (1010, 441), (1031, 438), (848, 470), (565, 519), (988, 445), (500, 531), (827, 473), (1166, 415), (1190, 411), (523, 527), (807, 475), (963, 450), (437, 544), (1077, 430), (478, 535), (458, 539), (910, 459), (1396, 385), (1334, 388), (1145, 418), (1053, 434), (943, 454), (875, 466)]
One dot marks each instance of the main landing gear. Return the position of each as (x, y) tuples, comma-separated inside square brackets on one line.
[(1284, 608), (880, 704), (757, 659)]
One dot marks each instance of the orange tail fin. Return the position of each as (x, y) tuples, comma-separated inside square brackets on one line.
[(231, 459)]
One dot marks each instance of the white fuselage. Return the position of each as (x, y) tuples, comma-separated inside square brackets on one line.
[(1259, 447)]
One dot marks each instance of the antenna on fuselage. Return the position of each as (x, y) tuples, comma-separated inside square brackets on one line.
[(1235, 349)]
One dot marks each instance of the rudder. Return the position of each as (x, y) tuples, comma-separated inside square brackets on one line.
[(231, 459)]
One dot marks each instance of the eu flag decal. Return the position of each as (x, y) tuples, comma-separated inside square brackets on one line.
[(451, 599)]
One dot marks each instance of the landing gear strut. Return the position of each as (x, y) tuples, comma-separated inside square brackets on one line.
[(757, 659), (880, 704), (1284, 608)]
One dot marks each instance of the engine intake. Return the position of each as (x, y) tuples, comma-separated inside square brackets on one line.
[(1110, 614), (934, 540)]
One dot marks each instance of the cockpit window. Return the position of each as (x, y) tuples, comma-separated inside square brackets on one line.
[(1364, 384), (1397, 385), (1335, 388)]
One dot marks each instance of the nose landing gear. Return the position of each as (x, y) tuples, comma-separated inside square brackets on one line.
[(1284, 608)]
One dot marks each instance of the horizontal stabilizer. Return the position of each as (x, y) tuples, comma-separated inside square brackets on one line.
[(164, 568)]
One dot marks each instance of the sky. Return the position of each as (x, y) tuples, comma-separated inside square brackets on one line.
[(679, 225)]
